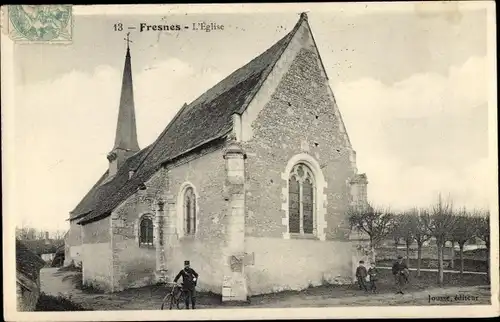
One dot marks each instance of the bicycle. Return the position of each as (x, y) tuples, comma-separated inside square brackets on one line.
[(175, 297)]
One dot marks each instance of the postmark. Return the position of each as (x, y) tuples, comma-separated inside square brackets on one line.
[(40, 23)]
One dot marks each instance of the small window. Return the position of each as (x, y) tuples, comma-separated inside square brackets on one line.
[(189, 211), (146, 232)]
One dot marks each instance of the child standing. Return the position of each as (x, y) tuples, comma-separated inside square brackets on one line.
[(361, 275), (373, 274)]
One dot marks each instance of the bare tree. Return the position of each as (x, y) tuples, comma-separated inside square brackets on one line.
[(440, 224), (452, 253), (30, 233), (376, 223), (465, 228), (421, 234), (26, 233), (396, 235), (40, 234), (482, 224), (21, 233), (406, 227), (58, 234)]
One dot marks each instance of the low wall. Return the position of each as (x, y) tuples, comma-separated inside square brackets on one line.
[(96, 268), (429, 252), (27, 292), (134, 266), (74, 254), (296, 264)]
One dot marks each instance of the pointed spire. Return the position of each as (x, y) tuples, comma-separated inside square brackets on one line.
[(126, 132)]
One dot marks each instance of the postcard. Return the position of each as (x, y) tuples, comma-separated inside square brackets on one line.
[(256, 161)]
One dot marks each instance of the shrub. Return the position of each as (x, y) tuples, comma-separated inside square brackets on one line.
[(57, 303)]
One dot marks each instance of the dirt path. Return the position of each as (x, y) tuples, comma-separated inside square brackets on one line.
[(56, 283), (434, 296)]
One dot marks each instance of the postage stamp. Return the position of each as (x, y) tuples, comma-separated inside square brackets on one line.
[(175, 162), (40, 23)]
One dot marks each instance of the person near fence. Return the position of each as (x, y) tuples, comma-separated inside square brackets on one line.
[(361, 275), (401, 274), (373, 275), (189, 280)]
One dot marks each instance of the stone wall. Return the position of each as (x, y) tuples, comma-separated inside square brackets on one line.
[(73, 244), (135, 265), (96, 255), (206, 175), (301, 117), (278, 264)]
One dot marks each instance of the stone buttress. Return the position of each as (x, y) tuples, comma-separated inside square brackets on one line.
[(234, 286)]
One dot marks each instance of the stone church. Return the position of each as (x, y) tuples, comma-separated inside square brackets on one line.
[(251, 182)]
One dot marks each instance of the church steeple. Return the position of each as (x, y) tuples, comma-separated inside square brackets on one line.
[(126, 132)]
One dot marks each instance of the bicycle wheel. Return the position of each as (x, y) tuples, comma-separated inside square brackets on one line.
[(167, 302), (180, 301)]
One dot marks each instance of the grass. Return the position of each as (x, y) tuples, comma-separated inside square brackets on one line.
[(57, 303)]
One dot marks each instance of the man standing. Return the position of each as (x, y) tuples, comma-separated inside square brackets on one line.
[(400, 272), (361, 274), (189, 279)]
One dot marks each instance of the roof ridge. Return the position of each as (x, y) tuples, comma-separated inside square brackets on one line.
[(268, 70), (232, 74), (317, 49)]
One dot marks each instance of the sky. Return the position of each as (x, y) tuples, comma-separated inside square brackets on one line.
[(412, 90)]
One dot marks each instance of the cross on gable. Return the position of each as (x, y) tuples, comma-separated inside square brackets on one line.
[(127, 39)]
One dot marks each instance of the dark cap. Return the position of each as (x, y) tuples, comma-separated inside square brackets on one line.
[(400, 257), (186, 262)]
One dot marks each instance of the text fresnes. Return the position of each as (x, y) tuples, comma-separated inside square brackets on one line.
[(197, 26)]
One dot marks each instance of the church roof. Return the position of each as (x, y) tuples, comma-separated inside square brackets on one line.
[(103, 190), (204, 120)]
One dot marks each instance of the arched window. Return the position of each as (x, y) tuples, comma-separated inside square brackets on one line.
[(189, 211), (146, 231), (301, 204)]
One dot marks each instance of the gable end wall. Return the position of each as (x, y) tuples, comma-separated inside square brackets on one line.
[(295, 114)]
